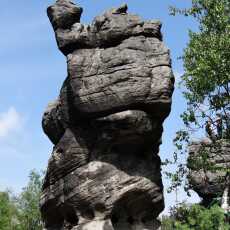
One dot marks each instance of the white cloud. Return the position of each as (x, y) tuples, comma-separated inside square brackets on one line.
[(10, 121)]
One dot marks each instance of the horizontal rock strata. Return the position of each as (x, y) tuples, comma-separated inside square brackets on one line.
[(106, 125)]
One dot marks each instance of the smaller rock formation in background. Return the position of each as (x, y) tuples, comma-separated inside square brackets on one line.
[(208, 163)]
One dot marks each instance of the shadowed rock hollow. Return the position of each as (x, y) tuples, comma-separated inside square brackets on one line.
[(106, 125)]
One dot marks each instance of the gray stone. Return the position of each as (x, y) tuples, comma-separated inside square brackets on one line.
[(51, 122), (64, 14), (133, 75), (106, 30), (209, 184), (104, 172)]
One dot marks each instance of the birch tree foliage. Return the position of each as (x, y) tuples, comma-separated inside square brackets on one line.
[(206, 80)]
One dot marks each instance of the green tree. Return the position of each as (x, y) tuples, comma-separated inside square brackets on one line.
[(195, 217), (205, 82), (28, 204), (7, 211), (22, 212)]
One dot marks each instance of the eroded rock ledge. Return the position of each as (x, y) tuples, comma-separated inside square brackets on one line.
[(106, 125)]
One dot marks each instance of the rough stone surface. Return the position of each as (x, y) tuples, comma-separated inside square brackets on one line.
[(51, 122), (211, 183), (104, 172)]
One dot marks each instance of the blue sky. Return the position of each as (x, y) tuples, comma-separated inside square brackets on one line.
[(32, 71)]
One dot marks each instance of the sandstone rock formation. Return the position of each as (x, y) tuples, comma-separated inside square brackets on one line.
[(209, 180), (106, 125)]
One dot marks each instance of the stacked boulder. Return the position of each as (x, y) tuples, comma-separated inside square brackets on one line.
[(106, 125)]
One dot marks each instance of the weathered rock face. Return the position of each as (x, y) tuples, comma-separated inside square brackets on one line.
[(209, 182), (104, 172)]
